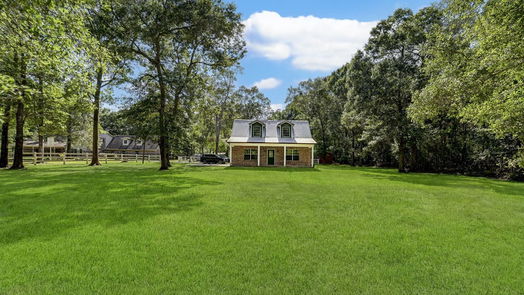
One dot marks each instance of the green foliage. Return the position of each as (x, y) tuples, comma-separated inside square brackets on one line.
[(114, 123), (422, 92), (175, 42), (44, 47), (476, 70)]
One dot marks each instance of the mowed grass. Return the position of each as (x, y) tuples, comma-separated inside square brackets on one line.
[(130, 229)]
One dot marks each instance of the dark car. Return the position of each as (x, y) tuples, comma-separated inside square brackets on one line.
[(211, 159), (224, 157)]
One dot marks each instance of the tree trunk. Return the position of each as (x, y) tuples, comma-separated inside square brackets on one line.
[(18, 159), (402, 155), (168, 152), (413, 165), (96, 113), (4, 149), (353, 148), (41, 119), (40, 148), (69, 137), (217, 133), (323, 134), (69, 143), (162, 142), (144, 150)]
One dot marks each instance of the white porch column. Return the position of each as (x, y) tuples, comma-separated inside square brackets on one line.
[(230, 153), (312, 156), (258, 156), (285, 155)]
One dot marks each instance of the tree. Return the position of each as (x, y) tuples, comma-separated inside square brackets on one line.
[(110, 64), (4, 149), (6, 93), (173, 40), (223, 103), (76, 111), (251, 103), (477, 67), (42, 40), (311, 100), (141, 121), (394, 59)]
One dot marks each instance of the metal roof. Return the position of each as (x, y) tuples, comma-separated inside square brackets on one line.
[(301, 132), (117, 143)]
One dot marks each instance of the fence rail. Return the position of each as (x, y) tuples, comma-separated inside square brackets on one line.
[(39, 158)]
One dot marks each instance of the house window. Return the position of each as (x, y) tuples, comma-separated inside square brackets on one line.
[(250, 154), (138, 142), (256, 130), (292, 155), (285, 130), (125, 142)]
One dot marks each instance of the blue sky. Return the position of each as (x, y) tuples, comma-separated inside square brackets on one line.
[(293, 40)]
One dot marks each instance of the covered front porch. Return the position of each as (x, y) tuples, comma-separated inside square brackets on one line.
[(271, 155)]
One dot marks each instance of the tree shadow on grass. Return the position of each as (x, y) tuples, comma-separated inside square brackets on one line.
[(441, 180), (44, 203)]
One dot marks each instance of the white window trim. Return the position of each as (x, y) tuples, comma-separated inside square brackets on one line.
[(291, 154), (253, 130), (282, 130), (252, 151)]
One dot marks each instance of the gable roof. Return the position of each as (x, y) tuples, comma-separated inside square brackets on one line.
[(241, 132), (117, 143)]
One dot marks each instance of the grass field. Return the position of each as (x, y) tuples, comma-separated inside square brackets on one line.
[(130, 229)]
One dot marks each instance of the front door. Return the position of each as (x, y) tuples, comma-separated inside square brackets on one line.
[(271, 157)]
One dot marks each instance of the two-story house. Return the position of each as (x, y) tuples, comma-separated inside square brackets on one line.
[(271, 143)]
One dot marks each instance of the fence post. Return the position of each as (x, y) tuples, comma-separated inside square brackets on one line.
[(136, 158), (64, 158), (149, 158), (106, 158), (34, 158)]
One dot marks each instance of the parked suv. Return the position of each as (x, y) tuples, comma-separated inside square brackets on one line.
[(211, 159), (224, 157)]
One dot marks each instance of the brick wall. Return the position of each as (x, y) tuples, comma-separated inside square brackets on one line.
[(304, 157), (237, 158)]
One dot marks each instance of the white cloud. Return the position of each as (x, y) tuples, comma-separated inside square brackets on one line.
[(312, 43), (277, 106), (268, 83)]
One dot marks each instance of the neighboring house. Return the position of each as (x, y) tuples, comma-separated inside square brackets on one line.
[(104, 140), (52, 144), (271, 143), (128, 144)]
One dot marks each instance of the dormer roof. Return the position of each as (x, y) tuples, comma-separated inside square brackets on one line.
[(301, 132)]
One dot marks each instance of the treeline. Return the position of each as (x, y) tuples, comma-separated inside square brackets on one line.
[(60, 60), (440, 90)]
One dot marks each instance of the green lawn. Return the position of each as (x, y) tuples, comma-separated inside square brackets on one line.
[(130, 229)]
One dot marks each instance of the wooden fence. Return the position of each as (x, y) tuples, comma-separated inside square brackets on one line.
[(39, 158)]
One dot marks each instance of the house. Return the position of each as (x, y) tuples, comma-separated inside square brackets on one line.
[(51, 144), (271, 143), (127, 144)]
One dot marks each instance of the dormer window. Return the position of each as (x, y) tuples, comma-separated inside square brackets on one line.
[(285, 130), (138, 142), (256, 130), (125, 141)]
